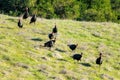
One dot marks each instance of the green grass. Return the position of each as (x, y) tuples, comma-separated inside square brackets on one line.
[(22, 59)]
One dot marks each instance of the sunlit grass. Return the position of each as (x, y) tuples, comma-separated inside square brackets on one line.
[(22, 59)]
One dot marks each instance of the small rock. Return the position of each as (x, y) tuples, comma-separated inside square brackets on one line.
[(84, 46), (22, 65), (63, 71), (57, 55), (96, 34), (105, 76), (37, 47), (56, 78), (45, 58), (43, 67), (5, 72), (25, 72), (43, 71)]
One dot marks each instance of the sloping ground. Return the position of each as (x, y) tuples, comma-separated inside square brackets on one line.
[(21, 58)]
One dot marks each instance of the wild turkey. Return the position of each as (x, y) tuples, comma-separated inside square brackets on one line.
[(99, 59), (55, 29), (51, 36), (49, 44), (26, 14), (20, 25), (72, 46), (33, 19), (77, 57)]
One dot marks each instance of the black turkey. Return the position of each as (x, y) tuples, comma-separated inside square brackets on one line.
[(20, 25), (99, 59), (77, 57), (55, 29), (72, 46), (33, 19), (49, 44), (26, 14), (51, 36)]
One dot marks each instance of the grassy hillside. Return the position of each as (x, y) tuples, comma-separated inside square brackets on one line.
[(22, 59)]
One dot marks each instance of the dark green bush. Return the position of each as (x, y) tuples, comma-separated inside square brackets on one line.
[(88, 10)]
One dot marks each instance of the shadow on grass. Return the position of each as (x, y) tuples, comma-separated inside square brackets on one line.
[(12, 20), (86, 64), (6, 27), (57, 49), (62, 60), (36, 39)]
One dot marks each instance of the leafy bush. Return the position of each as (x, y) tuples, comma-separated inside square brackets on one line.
[(89, 10)]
